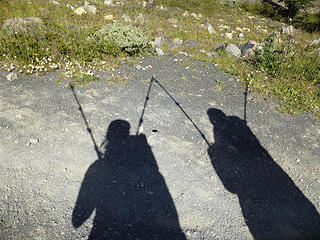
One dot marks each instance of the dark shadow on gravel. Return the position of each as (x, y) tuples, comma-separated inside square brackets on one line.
[(127, 192), (272, 205)]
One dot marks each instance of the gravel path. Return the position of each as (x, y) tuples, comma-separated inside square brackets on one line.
[(254, 179)]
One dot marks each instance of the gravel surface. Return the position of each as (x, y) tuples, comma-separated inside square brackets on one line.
[(179, 178)]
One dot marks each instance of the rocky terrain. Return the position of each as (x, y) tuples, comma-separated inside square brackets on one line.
[(173, 144)]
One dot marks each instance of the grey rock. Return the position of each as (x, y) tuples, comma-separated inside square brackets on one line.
[(233, 50), (159, 52), (34, 141), (219, 46), (80, 11), (30, 26), (314, 43), (288, 30), (90, 9), (248, 48), (56, 3), (12, 76), (158, 42), (138, 67)]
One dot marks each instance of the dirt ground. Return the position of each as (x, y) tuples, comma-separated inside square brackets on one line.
[(195, 170)]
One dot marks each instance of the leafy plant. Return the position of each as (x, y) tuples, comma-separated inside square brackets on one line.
[(262, 9), (308, 21), (294, 6), (271, 55), (129, 38)]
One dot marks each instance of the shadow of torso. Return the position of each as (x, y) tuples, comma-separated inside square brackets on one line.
[(272, 206), (129, 195)]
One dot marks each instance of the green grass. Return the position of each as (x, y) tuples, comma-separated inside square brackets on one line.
[(304, 20), (291, 79)]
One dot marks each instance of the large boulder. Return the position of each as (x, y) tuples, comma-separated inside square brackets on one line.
[(233, 50), (30, 26)]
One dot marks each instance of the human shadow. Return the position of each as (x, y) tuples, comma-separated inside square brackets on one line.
[(127, 192), (273, 207)]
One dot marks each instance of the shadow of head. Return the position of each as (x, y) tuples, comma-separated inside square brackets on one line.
[(216, 115), (118, 130)]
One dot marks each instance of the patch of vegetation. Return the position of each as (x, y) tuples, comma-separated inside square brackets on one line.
[(64, 38), (206, 7), (220, 85), (309, 22), (293, 6), (85, 78), (128, 38), (118, 79), (265, 10), (272, 55), (56, 45), (288, 73), (293, 76)]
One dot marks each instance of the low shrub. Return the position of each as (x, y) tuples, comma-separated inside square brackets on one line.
[(309, 22), (294, 6), (56, 43), (265, 10), (272, 55), (129, 38), (293, 74)]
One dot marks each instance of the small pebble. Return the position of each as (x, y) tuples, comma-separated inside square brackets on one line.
[(34, 141)]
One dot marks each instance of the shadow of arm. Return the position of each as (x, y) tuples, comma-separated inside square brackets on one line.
[(87, 199)]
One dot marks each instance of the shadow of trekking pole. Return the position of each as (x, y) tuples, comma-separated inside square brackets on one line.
[(182, 110), (145, 105), (86, 122), (245, 103)]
